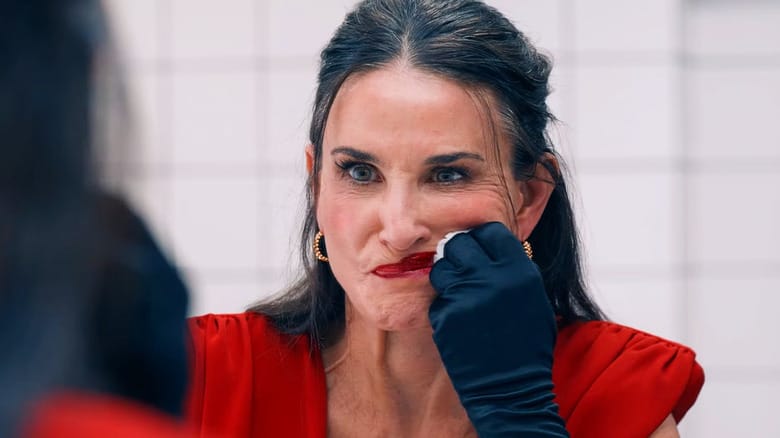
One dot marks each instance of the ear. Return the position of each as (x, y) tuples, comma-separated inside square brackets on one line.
[(536, 193), (310, 159), (313, 182)]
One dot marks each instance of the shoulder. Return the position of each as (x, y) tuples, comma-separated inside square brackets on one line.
[(602, 366), (242, 343), (244, 372), (233, 331)]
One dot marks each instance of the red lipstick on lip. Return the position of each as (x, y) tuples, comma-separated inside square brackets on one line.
[(413, 264)]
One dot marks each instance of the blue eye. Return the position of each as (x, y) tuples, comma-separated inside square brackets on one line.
[(361, 173), (448, 175), (356, 172)]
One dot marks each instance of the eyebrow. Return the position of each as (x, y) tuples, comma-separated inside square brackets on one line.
[(450, 158), (434, 160), (356, 154)]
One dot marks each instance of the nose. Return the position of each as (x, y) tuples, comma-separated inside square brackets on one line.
[(402, 223)]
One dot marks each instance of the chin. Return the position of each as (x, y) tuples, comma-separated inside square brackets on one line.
[(405, 315)]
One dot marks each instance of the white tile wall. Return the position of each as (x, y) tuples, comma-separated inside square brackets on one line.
[(734, 217), (734, 28), (145, 90), (626, 112), (732, 313), (630, 220), (151, 196), (669, 112), (282, 209), (646, 302), (540, 21), (634, 26), (287, 101), (216, 119), (301, 28), (136, 26), (734, 113), (215, 224), (219, 295), (735, 409), (209, 29)]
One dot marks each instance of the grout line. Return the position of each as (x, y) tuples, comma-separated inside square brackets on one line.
[(686, 308), (262, 137), (583, 167), (755, 374), (165, 111), (568, 80), (743, 269)]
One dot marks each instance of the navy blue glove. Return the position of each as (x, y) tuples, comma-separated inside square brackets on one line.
[(495, 330)]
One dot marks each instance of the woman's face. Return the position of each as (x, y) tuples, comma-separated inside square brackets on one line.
[(407, 158)]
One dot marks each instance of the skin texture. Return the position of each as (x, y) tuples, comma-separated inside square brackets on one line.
[(667, 429), (407, 157)]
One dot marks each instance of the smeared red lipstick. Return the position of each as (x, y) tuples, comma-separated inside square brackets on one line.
[(416, 264)]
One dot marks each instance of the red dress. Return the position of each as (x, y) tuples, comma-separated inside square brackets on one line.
[(248, 380), (84, 415)]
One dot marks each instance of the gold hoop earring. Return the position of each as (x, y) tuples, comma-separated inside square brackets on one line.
[(316, 247), (528, 251)]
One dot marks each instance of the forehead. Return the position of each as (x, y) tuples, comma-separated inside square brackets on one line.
[(401, 107)]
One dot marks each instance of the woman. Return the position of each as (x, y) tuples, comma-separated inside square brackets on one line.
[(430, 118), (92, 314)]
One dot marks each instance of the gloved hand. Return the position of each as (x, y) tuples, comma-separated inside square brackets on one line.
[(495, 330)]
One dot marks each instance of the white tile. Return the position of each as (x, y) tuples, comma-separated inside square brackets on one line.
[(216, 224), (216, 119), (288, 104), (222, 295), (214, 29), (539, 21), (151, 198), (626, 112), (630, 220), (734, 322), (650, 304), (313, 24), (560, 101), (726, 410), (136, 26), (733, 28), (639, 25), (146, 91), (734, 217), (282, 207), (734, 113)]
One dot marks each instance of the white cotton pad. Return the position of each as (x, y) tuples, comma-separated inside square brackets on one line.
[(442, 242)]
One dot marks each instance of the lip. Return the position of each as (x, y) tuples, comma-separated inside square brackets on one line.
[(416, 264)]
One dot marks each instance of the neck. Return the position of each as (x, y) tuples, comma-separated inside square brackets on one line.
[(394, 377)]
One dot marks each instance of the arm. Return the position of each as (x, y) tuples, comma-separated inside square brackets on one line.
[(495, 330), (667, 429)]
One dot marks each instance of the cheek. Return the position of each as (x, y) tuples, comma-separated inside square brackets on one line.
[(345, 219), (470, 209)]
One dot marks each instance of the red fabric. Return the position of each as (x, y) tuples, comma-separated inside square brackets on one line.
[(610, 380), (251, 381), (78, 415), (614, 381)]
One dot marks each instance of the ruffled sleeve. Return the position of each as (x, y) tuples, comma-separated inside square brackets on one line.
[(614, 381), (247, 379)]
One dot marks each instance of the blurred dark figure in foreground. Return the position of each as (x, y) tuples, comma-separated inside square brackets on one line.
[(91, 312)]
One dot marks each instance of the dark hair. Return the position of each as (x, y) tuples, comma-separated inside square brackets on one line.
[(473, 44), (77, 267)]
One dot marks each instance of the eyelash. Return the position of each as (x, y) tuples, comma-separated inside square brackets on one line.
[(346, 166)]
